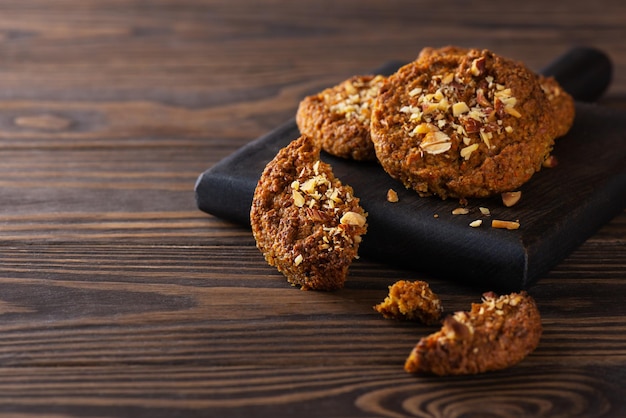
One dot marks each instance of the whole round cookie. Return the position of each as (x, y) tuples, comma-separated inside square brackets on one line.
[(304, 220), (338, 118), (462, 124)]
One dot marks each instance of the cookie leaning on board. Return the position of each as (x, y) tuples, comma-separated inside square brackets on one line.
[(304, 220)]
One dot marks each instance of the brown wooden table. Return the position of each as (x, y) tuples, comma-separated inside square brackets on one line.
[(118, 297)]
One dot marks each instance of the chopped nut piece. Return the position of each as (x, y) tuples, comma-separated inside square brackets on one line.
[(511, 198), (478, 66), (298, 199), (298, 260), (435, 142), (350, 88), (496, 223), (460, 108), (486, 137), (467, 151), (415, 91), (550, 162), (511, 111), (436, 148), (424, 128), (316, 167), (392, 196), (448, 78), (352, 218), (476, 223), (460, 211), (484, 211)]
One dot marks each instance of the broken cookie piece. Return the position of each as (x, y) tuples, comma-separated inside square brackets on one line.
[(495, 334), (304, 220), (411, 300)]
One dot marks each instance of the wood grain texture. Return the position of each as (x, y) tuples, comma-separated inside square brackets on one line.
[(118, 298)]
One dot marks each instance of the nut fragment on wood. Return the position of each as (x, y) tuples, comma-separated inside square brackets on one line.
[(511, 198), (497, 223), (392, 196), (460, 211), (476, 223)]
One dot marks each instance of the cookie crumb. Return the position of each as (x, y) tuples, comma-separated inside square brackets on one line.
[(411, 300), (392, 196), (511, 198)]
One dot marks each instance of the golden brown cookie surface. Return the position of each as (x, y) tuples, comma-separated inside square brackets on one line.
[(562, 104), (338, 118), (305, 222), (495, 334), (459, 123)]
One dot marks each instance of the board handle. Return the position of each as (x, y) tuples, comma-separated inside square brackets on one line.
[(583, 72)]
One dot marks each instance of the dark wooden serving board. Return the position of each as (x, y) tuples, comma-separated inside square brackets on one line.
[(559, 209)]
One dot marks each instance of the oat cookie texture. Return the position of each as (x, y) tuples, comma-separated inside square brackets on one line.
[(338, 118), (304, 220), (411, 300), (495, 334), (466, 123)]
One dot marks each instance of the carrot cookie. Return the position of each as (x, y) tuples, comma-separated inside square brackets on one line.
[(495, 334), (562, 103), (338, 118), (411, 300), (462, 123), (304, 220)]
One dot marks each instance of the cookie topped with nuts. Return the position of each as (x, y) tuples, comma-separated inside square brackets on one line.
[(462, 123), (495, 334), (304, 220), (563, 107), (338, 118)]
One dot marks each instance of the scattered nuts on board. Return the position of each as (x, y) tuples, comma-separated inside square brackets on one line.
[(497, 223), (392, 196), (460, 211)]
